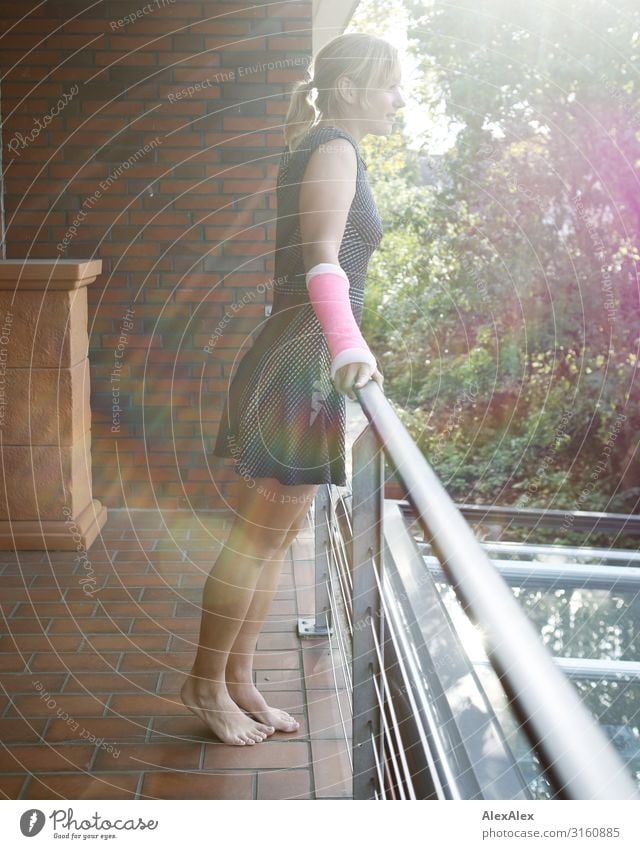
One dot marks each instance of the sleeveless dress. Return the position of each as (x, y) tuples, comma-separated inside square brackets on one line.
[(283, 418)]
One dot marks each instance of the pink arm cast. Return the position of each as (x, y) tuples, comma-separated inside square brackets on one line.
[(328, 288)]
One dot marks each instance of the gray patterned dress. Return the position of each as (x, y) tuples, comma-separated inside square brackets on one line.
[(283, 417)]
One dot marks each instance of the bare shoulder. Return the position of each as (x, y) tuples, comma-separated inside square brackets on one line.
[(334, 158)]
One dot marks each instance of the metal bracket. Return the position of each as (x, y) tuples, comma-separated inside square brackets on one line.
[(309, 628)]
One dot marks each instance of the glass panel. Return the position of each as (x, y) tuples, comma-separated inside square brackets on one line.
[(584, 623), (573, 623)]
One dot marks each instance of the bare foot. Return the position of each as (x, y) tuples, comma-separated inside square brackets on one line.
[(250, 699), (221, 714)]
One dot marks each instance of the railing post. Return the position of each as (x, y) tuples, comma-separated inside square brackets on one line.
[(366, 521), (320, 625)]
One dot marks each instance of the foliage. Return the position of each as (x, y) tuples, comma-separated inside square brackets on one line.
[(503, 302)]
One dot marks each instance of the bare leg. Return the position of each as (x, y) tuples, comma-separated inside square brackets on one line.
[(240, 664), (257, 535)]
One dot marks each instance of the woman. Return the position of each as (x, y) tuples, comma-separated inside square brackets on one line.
[(284, 418)]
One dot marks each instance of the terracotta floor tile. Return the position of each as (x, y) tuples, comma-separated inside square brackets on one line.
[(17, 580), (21, 730), (279, 626), (319, 665), (277, 660), (171, 682), (152, 588), (154, 557), (112, 682), (11, 786), (50, 580), (167, 594), (138, 519), (139, 544), (270, 754), (133, 608), (268, 680), (23, 556), (122, 642), (11, 662), (45, 758), (83, 661), (132, 705), (55, 608), (186, 643), (116, 593), (285, 608), (168, 624), (284, 784), (332, 772), (90, 625), (30, 594), (146, 581), (39, 642), (196, 785), (162, 661), (110, 534), (306, 599), (25, 682), (149, 756), (74, 705), (189, 609), (111, 729), (24, 625), (108, 785), (278, 641), (325, 719), (135, 531)]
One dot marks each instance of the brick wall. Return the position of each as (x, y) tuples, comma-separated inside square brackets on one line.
[(109, 154)]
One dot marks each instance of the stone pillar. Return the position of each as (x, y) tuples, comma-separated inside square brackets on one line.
[(46, 497)]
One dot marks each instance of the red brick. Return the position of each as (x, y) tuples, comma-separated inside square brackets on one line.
[(132, 261)]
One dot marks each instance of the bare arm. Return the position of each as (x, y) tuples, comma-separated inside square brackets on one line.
[(326, 193)]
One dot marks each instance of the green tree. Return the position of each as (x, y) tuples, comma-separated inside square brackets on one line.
[(504, 302)]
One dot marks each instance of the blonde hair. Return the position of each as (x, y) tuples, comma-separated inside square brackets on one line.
[(369, 62)]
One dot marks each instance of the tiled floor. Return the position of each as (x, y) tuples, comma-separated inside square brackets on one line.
[(89, 707)]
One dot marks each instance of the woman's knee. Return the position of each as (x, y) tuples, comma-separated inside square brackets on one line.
[(266, 528), (258, 542)]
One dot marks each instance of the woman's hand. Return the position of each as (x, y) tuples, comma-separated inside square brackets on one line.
[(355, 375)]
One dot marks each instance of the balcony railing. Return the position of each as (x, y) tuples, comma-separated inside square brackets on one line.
[(422, 722)]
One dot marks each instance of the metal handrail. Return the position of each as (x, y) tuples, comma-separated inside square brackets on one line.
[(574, 751)]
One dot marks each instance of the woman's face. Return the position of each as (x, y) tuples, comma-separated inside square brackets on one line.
[(383, 105), (378, 116)]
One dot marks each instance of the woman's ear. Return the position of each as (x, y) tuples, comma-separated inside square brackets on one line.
[(346, 89)]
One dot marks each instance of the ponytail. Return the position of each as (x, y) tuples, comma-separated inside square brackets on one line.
[(301, 114)]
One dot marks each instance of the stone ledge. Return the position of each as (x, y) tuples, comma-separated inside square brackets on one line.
[(73, 534), (45, 274)]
